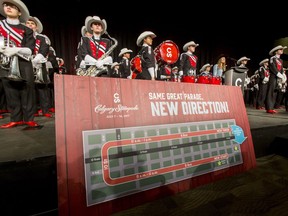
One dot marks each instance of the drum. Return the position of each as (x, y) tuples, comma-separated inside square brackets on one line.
[(216, 80), (135, 65), (167, 52), (189, 79), (203, 79)]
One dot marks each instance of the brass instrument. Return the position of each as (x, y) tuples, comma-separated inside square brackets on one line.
[(39, 76), (282, 83), (92, 70), (10, 63)]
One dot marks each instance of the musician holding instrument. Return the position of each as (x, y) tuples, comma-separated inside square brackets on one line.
[(188, 62), (39, 60), (147, 56), (276, 74), (18, 84), (96, 50)]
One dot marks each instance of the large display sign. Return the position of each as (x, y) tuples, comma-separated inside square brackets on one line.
[(118, 139)]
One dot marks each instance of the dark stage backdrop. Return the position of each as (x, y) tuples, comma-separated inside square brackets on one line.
[(235, 31)]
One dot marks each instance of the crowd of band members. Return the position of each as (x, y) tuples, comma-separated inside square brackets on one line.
[(25, 100), (267, 94)]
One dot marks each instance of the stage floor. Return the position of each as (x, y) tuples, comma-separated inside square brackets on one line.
[(18, 144), (29, 175)]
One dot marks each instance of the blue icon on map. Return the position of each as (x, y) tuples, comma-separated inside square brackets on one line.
[(238, 133)]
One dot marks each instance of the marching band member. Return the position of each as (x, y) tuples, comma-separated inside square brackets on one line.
[(205, 70), (93, 50), (40, 53), (188, 60), (263, 72), (78, 59), (20, 95), (276, 73), (147, 56), (115, 70), (125, 67)]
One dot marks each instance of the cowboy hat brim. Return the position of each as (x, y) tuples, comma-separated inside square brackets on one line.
[(144, 35), (191, 43), (95, 19), (123, 51), (20, 5), (37, 22), (276, 48), (242, 59)]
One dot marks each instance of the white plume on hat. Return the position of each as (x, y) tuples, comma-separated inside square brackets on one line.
[(276, 48), (89, 20), (123, 51), (263, 61), (244, 58), (144, 35), (20, 5), (38, 23), (191, 43)]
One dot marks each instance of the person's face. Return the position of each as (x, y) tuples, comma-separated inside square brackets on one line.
[(11, 10), (280, 51), (223, 59), (88, 34), (127, 55), (192, 48), (31, 24), (148, 40), (97, 28)]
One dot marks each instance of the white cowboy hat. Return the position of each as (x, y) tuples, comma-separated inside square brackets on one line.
[(144, 35), (276, 48), (263, 61), (114, 64), (191, 43), (95, 19), (205, 66), (123, 51), (83, 31), (38, 23), (174, 68), (20, 5), (244, 58)]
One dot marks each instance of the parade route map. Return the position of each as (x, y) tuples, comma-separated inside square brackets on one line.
[(123, 161)]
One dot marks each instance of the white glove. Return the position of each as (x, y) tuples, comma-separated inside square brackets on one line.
[(25, 51), (181, 73), (2, 48), (266, 79), (39, 58), (99, 63), (279, 75), (152, 72), (82, 64), (37, 65), (10, 51), (48, 65), (108, 60), (256, 86), (90, 60)]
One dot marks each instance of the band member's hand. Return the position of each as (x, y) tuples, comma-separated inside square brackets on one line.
[(280, 75), (89, 60), (37, 65), (99, 63), (10, 51)]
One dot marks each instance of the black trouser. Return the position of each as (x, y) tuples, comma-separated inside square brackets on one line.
[(271, 93), (21, 95)]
